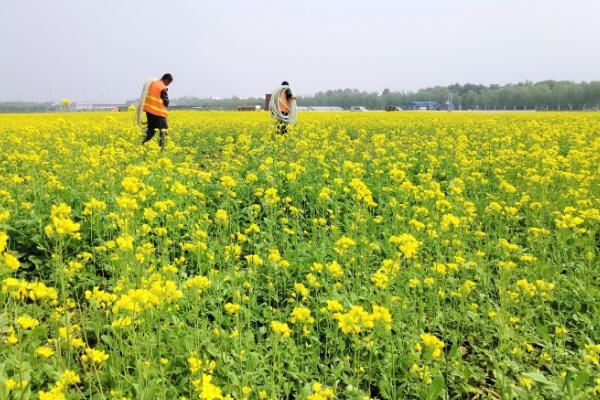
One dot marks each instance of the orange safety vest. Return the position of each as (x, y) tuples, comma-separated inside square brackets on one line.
[(284, 106), (153, 103)]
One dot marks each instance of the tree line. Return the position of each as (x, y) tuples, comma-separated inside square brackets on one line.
[(544, 95), (28, 107)]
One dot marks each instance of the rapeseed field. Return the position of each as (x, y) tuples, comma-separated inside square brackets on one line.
[(361, 256)]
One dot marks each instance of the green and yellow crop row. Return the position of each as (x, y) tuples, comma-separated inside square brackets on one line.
[(361, 256)]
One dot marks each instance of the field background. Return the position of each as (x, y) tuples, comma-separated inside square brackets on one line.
[(363, 255)]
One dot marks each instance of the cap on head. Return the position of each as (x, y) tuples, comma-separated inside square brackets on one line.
[(285, 83), (167, 78)]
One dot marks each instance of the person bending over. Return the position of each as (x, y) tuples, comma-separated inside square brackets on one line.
[(155, 106)]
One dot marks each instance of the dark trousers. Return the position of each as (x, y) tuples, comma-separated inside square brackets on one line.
[(156, 123), (282, 126)]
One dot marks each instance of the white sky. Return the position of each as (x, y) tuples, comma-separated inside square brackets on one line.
[(91, 50)]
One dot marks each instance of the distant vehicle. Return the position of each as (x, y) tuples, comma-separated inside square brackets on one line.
[(249, 108), (358, 108), (320, 108), (84, 107), (424, 106), (393, 108)]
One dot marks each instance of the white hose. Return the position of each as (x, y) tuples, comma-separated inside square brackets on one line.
[(275, 107), (139, 112)]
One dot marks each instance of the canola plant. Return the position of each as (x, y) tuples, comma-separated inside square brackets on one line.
[(360, 256)]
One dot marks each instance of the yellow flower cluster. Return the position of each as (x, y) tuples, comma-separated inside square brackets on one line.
[(22, 290), (281, 328), (26, 322), (157, 292), (433, 343), (62, 224), (301, 314), (94, 356), (57, 391), (7, 259), (303, 261), (361, 192), (385, 273), (320, 392), (407, 244), (357, 320), (592, 353)]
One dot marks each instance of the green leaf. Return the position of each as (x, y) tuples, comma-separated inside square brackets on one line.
[(537, 377), (580, 380), (436, 388)]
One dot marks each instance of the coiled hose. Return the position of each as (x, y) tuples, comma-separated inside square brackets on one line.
[(139, 111), (275, 107)]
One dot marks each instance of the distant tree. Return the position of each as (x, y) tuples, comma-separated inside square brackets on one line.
[(549, 94), (544, 94)]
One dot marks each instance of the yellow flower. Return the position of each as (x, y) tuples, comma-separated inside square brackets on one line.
[(407, 243), (271, 197), (125, 242), (433, 343), (3, 241), (362, 192), (52, 394), (301, 314), (449, 221), (281, 328), (354, 321), (26, 322), (228, 182), (122, 322), (21, 290), (343, 245), (10, 384), (334, 305), (301, 289), (62, 223), (382, 314), (221, 216), (254, 259), (232, 308), (68, 377), (94, 205), (560, 330), (44, 351), (525, 382), (253, 228), (320, 393), (597, 387), (95, 356), (274, 256), (413, 283), (11, 262), (335, 269), (592, 353), (179, 188), (199, 283), (207, 390), (380, 279), (194, 362), (246, 390)]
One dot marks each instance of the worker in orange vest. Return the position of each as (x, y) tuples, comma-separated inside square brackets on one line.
[(284, 105), (155, 106)]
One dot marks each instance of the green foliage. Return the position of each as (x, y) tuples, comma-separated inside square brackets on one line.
[(545, 95)]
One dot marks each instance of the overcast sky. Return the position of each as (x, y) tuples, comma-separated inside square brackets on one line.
[(103, 50)]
